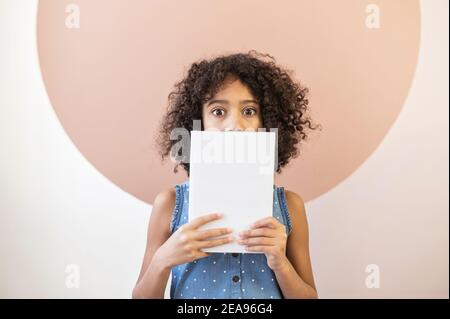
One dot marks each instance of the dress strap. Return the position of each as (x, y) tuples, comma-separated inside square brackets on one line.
[(281, 195), (179, 193)]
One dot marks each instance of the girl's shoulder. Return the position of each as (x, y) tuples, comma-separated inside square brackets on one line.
[(168, 204), (165, 198), (293, 198), (297, 213), (294, 203), (164, 203)]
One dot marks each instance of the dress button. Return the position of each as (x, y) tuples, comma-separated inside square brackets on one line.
[(235, 278), (234, 254)]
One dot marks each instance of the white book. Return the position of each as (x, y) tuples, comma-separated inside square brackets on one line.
[(231, 173)]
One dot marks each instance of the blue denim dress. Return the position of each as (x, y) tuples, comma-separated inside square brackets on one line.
[(225, 275)]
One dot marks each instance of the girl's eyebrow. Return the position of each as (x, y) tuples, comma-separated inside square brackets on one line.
[(217, 101), (226, 102), (248, 101)]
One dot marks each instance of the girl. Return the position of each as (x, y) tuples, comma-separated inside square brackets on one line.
[(232, 92)]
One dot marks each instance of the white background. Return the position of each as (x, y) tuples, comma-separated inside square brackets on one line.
[(57, 210)]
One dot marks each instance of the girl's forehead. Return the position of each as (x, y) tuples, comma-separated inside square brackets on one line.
[(233, 87)]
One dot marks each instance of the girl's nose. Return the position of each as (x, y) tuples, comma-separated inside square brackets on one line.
[(234, 123)]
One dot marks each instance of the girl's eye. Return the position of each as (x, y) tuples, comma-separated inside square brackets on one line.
[(249, 112), (218, 112)]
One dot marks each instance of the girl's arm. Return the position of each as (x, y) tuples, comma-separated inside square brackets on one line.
[(165, 250), (154, 273), (295, 277)]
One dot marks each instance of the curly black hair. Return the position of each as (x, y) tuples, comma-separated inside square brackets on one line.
[(283, 102)]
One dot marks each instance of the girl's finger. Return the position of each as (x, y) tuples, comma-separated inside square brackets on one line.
[(268, 222), (265, 241), (201, 235), (194, 224), (259, 232), (215, 242)]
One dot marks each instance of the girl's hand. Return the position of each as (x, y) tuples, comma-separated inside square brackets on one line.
[(268, 236), (184, 245)]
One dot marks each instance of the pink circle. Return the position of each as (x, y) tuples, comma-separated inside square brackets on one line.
[(108, 80)]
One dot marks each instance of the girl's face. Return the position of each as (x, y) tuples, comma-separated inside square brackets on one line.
[(233, 108)]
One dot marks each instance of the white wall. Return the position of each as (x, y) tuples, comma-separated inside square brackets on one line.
[(392, 212), (56, 209)]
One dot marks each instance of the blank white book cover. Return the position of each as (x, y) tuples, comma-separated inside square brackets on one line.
[(231, 173)]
